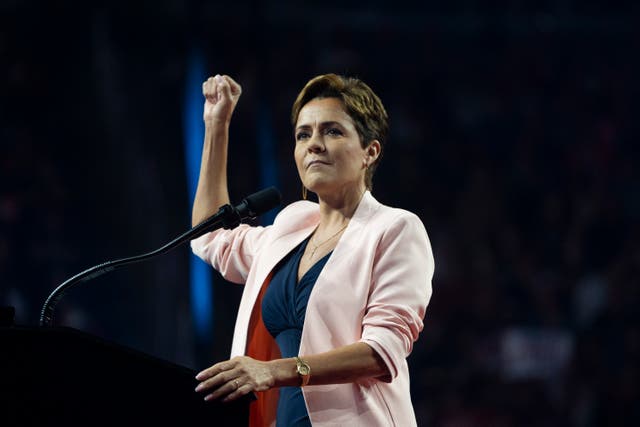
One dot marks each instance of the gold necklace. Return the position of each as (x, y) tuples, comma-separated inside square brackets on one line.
[(315, 247)]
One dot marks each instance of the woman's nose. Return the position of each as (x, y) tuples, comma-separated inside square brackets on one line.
[(316, 143)]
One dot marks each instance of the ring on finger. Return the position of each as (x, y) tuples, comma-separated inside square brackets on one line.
[(236, 383)]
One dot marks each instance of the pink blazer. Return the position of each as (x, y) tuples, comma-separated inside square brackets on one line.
[(374, 288)]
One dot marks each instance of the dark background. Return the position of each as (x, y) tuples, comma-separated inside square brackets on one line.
[(513, 133)]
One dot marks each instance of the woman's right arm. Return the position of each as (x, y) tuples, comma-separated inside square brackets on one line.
[(221, 96)]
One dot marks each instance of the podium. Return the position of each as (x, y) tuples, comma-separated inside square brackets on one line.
[(62, 376)]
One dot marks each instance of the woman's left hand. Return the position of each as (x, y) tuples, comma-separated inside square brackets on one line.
[(234, 378)]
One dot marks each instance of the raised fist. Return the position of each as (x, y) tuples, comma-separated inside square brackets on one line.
[(221, 94)]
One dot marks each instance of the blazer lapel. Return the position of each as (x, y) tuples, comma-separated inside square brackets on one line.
[(355, 230)]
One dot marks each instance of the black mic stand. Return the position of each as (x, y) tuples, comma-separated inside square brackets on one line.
[(227, 217)]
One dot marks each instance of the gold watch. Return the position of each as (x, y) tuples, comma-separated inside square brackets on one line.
[(303, 370)]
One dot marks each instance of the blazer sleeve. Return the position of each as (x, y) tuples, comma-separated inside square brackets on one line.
[(400, 291), (231, 252)]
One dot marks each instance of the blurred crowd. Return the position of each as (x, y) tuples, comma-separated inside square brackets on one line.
[(513, 139)]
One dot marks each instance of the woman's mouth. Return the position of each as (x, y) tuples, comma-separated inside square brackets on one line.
[(316, 162)]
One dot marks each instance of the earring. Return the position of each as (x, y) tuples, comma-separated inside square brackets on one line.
[(304, 192)]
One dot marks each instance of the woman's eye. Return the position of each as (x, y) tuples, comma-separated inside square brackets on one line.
[(334, 132), (301, 135)]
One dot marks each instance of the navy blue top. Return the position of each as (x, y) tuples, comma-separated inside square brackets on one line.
[(283, 310)]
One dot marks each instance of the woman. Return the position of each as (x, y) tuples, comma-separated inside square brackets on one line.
[(335, 292)]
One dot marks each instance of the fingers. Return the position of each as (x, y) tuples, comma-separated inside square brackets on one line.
[(232, 379), (220, 379), (236, 89), (231, 390), (225, 389), (240, 391), (224, 89), (210, 89), (214, 88), (227, 384), (213, 370)]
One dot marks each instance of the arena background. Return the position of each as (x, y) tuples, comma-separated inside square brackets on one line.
[(514, 127)]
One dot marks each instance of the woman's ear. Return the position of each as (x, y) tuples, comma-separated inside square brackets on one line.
[(372, 152)]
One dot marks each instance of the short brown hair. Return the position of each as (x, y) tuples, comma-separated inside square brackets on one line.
[(361, 104)]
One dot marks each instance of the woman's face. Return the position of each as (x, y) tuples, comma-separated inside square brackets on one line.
[(328, 152)]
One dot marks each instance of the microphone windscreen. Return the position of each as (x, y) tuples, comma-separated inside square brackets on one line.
[(263, 201)]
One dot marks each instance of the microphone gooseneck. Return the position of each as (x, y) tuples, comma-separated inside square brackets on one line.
[(227, 217)]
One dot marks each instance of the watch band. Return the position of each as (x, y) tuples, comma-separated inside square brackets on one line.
[(303, 370)]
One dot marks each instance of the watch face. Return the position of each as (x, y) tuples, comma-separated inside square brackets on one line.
[(303, 370)]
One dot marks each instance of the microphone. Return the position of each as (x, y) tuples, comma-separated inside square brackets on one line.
[(227, 217), (259, 203), (251, 207)]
